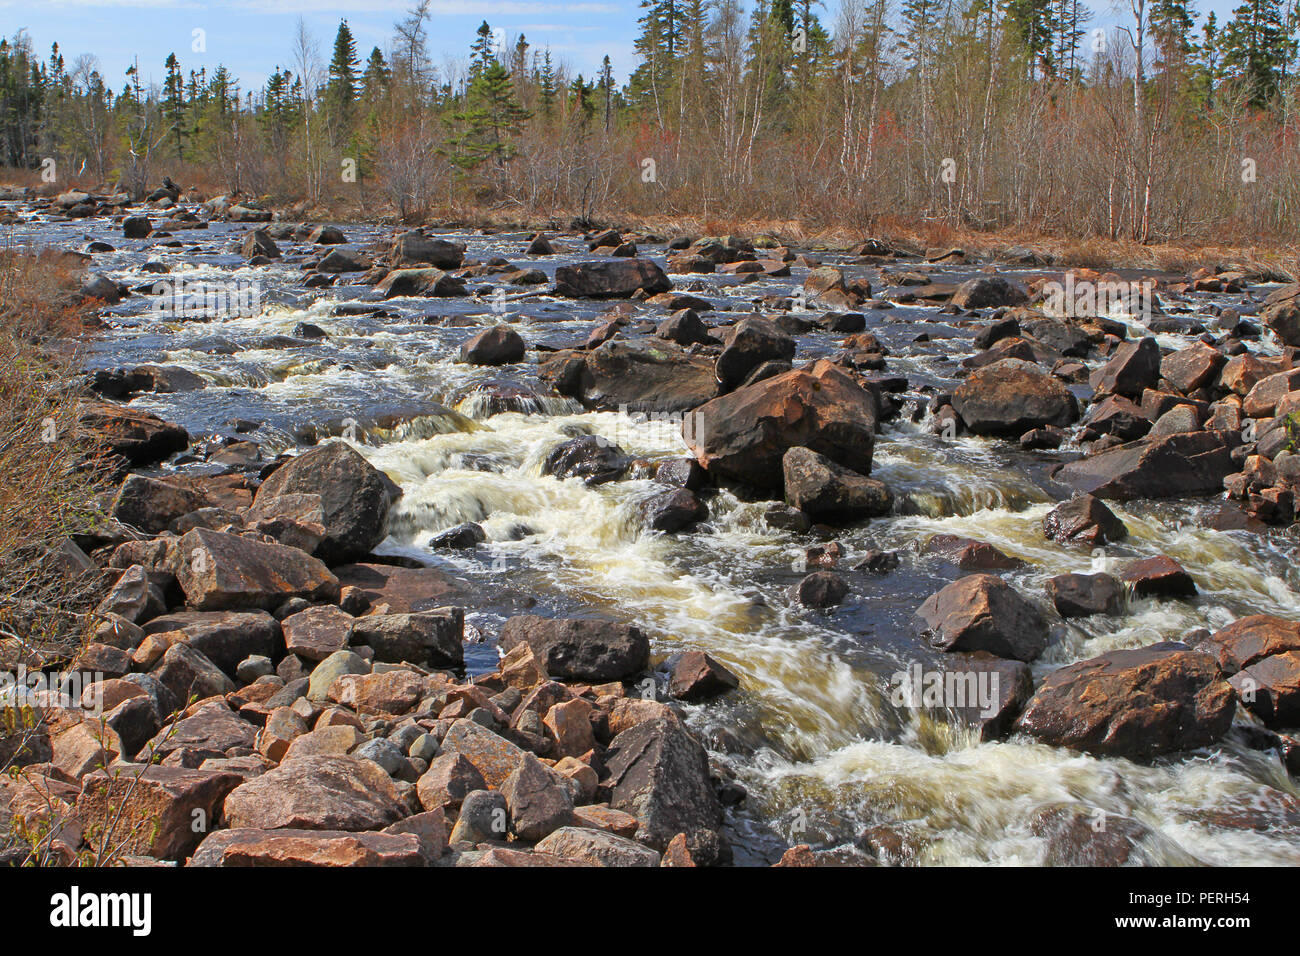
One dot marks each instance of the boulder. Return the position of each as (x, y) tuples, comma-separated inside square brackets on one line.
[(297, 847), (224, 637), (137, 436), (219, 571), (428, 282), (672, 510), (1135, 366), (595, 848), (594, 459), (826, 491), (743, 436), (696, 677), (136, 227), (1084, 519), (748, 344), (189, 674), (316, 633), (1081, 595), (988, 292), (354, 495), (584, 649), (415, 248), (1250, 639), (981, 612), (1133, 703), (1192, 368), (659, 773), (1158, 577), (1281, 313), (162, 812), (318, 793), (1270, 689), (494, 757), (259, 243), (821, 589), (449, 779), (1192, 463), (433, 638), (615, 279), (1012, 396), (499, 345), (638, 380), (538, 802)]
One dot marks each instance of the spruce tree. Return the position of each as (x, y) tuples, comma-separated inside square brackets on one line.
[(1257, 47)]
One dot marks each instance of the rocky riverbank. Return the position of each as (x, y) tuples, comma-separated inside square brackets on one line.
[(275, 668)]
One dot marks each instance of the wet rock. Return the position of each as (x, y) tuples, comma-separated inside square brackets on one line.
[(594, 848), (1079, 836), (826, 491), (354, 495), (672, 511), (259, 243), (1012, 396), (338, 261), (821, 589), (434, 638), (594, 459), (1175, 466), (681, 473), (659, 773), (102, 288), (1270, 689), (1081, 595), (988, 292), (460, 538), (420, 282), (499, 345), (161, 812), (538, 803), (969, 554), (1084, 519), (1158, 577), (744, 435), (618, 376), (685, 327), (586, 649), (136, 227), (1281, 313), (696, 677), (981, 612), (1133, 703), (220, 571), (415, 248), (1251, 639), (1134, 367), (748, 344), (317, 793), (617, 279)]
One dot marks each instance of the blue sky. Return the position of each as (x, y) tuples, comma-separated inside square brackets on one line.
[(252, 37)]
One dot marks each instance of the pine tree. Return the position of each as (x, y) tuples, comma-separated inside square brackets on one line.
[(1257, 47), (606, 86), (1172, 23), (492, 116), (376, 79), (341, 90), (1031, 23), (174, 103)]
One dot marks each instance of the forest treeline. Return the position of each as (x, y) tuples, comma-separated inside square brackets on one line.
[(1020, 114)]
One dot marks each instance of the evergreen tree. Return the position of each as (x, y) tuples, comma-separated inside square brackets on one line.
[(376, 79), (492, 116), (174, 103), (341, 89), (1257, 47)]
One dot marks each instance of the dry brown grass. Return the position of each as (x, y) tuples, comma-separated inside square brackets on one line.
[(45, 484)]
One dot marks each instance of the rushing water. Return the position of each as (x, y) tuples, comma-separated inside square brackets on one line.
[(811, 734)]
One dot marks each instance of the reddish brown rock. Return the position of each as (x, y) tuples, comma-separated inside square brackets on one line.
[(981, 612), (1133, 703), (300, 847), (1248, 640), (318, 793), (1158, 577), (697, 676), (156, 811)]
